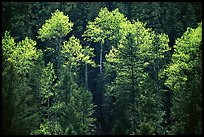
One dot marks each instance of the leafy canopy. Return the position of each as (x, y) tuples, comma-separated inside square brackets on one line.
[(74, 53), (185, 58), (105, 26), (21, 54), (57, 26)]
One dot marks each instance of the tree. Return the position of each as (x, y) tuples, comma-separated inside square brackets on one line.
[(70, 55), (46, 88), (48, 67), (55, 28), (18, 60), (104, 28), (184, 78), (21, 55), (48, 99), (135, 97), (78, 113), (78, 108)]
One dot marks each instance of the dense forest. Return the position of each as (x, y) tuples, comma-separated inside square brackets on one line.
[(102, 68)]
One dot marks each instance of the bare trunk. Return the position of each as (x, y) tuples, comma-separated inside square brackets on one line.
[(100, 106), (58, 57), (133, 93), (48, 105), (86, 76), (101, 56)]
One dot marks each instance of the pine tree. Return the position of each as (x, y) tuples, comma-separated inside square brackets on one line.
[(76, 102), (133, 87)]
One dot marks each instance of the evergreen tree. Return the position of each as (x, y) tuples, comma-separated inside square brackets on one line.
[(136, 98)]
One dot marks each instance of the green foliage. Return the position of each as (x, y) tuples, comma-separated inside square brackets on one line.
[(186, 56), (77, 113), (48, 77), (43, 90), (8, 45), (146, 128), (105, 26), (21, 54), (129, 60), (184, 78), (57, 26), (49, 128), (82, 109), (18, 63), (73, 52)]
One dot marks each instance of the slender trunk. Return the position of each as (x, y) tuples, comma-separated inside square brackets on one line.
[(48, 105), (156, 68), (83, 116), (101, 56), (11, 100), (86, 76), (132, 84), (58, 57), (101, 88), (133, 94)]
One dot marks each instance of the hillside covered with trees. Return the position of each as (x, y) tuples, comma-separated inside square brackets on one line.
[(101, 68)]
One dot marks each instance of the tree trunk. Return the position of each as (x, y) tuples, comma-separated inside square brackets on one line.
[(58, 57), (101, 57), (86, 76), (101, 89), (48, 105)]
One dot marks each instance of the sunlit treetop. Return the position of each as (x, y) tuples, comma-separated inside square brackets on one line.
[(8, 44), (186, 57), (57, 26), (22, 54), (105, 26), (188, 45), (74, 53), (141, 41)]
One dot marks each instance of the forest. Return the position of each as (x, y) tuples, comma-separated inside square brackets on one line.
[(102, 68)]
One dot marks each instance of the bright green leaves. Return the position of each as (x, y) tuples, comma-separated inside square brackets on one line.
[(22, 54), (175, 75), (188, 46), (49, 128), (19, 59), (57, 26), (112, 55), (47, 80), (93, 32), (183, 76), (138, 48), (8, 45), (71, 50), (68, 56), (105, 26), (74, 53), (187, 55), (88, 54), (163, 41)]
